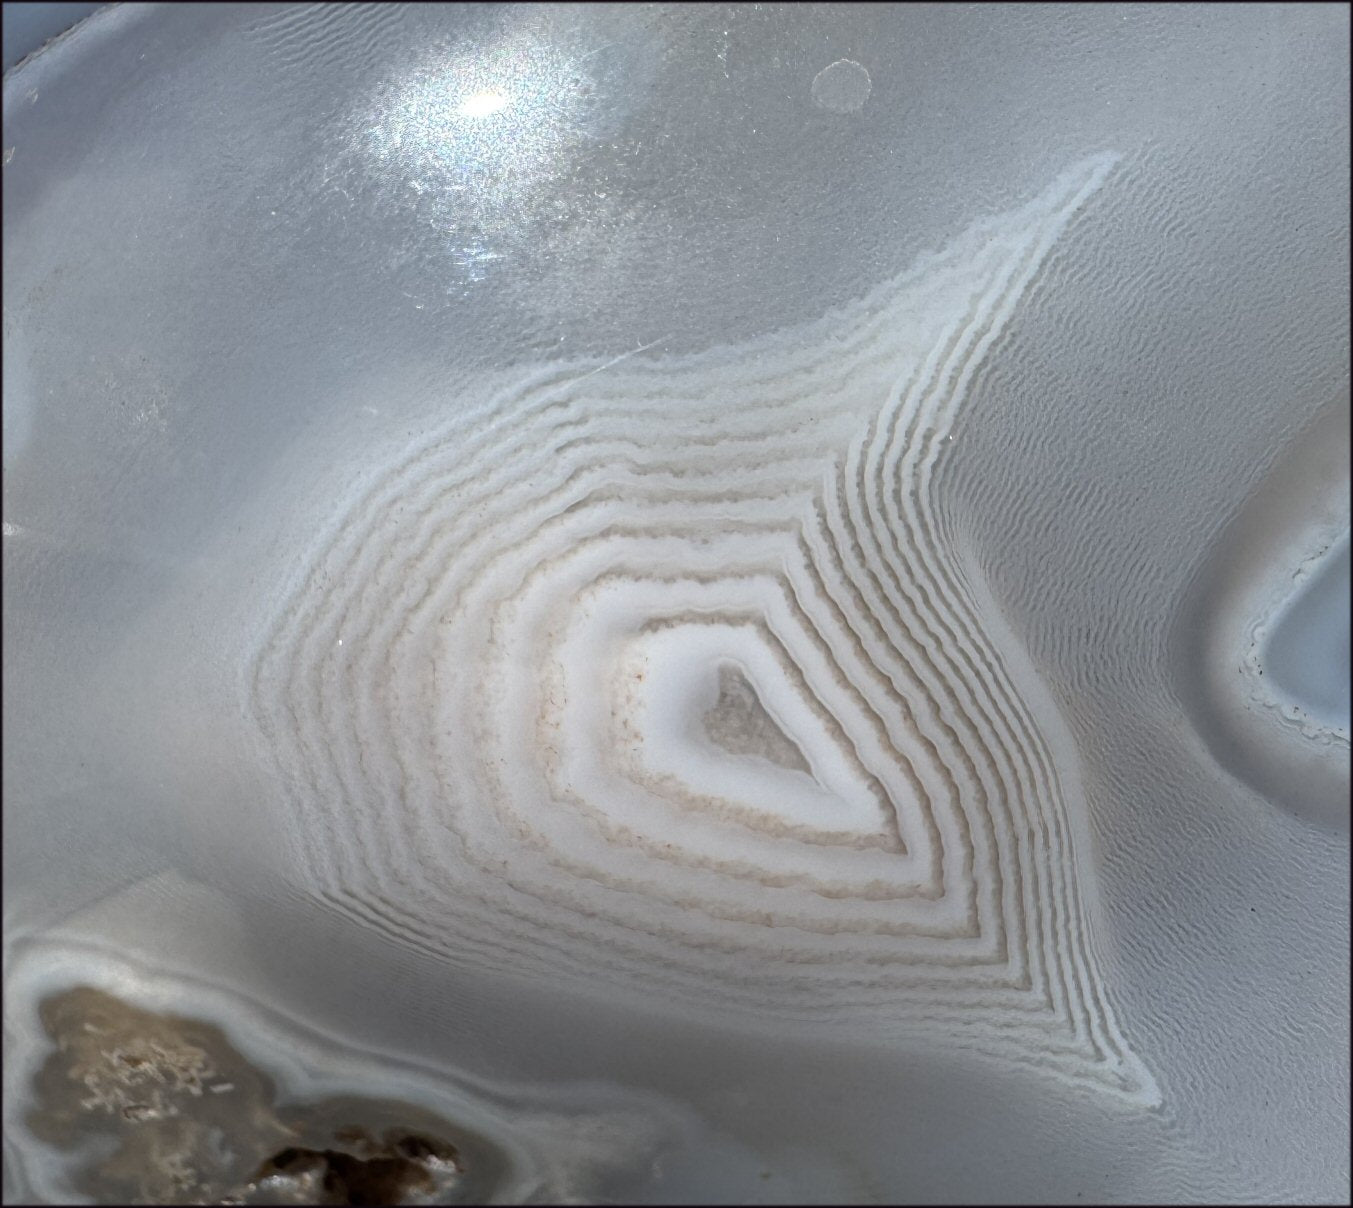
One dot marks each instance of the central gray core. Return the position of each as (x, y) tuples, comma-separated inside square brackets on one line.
[(738, 722)]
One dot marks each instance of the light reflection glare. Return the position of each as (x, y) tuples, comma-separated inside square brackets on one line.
[(470, 144), (483, 103)]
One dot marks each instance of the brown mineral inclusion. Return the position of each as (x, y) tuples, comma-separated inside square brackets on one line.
[(161, 1109)]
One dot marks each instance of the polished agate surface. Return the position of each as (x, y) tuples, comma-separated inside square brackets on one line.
[(677, 603)]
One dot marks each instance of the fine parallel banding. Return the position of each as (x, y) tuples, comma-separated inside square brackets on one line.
[(664, 677)]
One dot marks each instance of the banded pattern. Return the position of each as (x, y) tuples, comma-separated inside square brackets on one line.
[(314, 35), (666, 678)]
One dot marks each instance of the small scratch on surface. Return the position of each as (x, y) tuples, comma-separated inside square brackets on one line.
[(596, 51), (624, 356), (9, 155)]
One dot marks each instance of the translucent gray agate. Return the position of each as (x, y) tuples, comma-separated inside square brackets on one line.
[(736, 604)]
